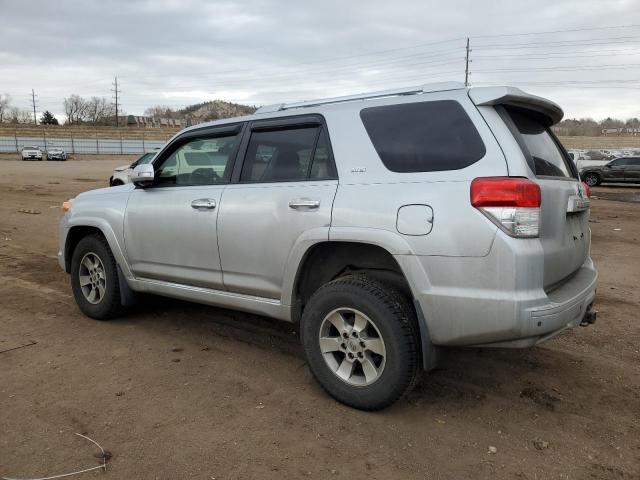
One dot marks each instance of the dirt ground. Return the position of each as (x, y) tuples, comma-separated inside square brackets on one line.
[(176, 390)]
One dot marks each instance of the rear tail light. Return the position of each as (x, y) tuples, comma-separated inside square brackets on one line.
[(587, 189), (512, 203)]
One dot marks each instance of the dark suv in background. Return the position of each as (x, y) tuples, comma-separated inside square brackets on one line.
[(620, 170)]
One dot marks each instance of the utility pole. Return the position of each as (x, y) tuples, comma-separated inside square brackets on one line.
[(466, 67), (116, 92), (33, 102)]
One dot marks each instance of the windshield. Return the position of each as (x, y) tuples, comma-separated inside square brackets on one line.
[(146, 158), (545, 157)]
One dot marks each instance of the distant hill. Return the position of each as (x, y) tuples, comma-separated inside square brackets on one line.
[(214, 110)]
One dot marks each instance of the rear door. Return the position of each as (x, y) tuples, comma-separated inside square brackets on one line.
[(284, 189), (564, 229), (632, 170)]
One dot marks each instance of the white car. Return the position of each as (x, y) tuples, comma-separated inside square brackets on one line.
[(122, 174), (31, 153)]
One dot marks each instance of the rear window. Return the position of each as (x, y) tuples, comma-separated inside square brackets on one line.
[(543, 153), (423, 137)]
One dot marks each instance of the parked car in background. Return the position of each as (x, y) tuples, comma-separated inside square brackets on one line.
[(122, 174), (56, 153), (598, 155), (620, 170), (31, 153), (457, 220), (577, 155)]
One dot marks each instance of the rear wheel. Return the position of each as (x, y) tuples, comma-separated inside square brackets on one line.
[(360, 341), (94, 279), (592, 179)]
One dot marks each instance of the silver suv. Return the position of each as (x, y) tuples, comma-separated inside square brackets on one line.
[(385, 225)]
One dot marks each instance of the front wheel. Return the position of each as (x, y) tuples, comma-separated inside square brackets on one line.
[(592, 179), (360, 341), (94, 278)]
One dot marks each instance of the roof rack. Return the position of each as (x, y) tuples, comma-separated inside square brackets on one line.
[(429, 87)]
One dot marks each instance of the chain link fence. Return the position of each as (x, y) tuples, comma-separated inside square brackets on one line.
[(84, 141)]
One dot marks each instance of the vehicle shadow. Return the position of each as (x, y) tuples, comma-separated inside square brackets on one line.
[(462, 375)]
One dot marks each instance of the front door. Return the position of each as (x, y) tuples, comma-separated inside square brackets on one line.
[(614, 170), (285, 189), (170, 227)]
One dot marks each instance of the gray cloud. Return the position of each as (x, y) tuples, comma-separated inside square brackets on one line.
[(255, 51)]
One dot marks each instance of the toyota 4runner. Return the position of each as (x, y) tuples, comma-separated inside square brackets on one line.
[(387, 225)]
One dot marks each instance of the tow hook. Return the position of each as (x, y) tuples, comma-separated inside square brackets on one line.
[(589, 317)]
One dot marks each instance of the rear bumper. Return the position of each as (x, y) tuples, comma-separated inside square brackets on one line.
[(490, 301), (566, 308)]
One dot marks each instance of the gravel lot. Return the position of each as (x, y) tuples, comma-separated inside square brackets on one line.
[(176, 390)]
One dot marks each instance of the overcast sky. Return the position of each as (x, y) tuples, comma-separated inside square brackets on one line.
[(179, 52)]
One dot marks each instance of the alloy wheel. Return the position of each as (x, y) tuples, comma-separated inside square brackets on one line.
[(92, 277), (352, 346)]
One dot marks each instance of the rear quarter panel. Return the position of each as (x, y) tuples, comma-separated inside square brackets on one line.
[(369, 195)]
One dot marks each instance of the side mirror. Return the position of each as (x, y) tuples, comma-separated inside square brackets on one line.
[(143, 175)]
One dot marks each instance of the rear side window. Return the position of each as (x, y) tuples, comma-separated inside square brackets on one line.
[(544, 154), (288, 155), (423, 137)]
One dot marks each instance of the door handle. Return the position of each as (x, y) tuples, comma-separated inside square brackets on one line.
[(204, 203), (304, 204)]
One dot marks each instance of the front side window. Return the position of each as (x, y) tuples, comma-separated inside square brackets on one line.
[(202, 161), (288, 155), (423, 137), (545, 157)]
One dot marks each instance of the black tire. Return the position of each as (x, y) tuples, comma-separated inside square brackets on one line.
[(109, 304), (115, 183), (394, 319), (592, 179)]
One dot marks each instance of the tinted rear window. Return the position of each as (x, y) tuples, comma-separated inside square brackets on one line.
[(544, 155), (423, 137)]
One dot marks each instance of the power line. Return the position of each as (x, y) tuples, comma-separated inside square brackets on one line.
[(556, 31), (575, 44), (261, 76), (550, 56), (563, 67)]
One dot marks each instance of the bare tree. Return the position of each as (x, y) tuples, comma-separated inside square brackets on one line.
[(5, 102), (75, 108), (99, 111), (17, 115), (633, 124)]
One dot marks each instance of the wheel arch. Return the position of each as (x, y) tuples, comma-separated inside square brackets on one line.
[(80, 228), (328, 260)]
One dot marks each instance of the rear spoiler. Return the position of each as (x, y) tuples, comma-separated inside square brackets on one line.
[(511, 96)]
